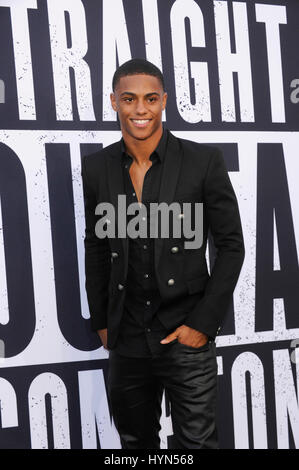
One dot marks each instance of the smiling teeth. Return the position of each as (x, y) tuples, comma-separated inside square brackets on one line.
[(139, 121)]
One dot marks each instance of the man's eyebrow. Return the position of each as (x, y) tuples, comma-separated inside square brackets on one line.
[(133, 94)]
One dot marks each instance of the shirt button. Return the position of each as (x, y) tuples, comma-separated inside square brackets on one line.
[(148, 302), (120, 287), (148, 329), (146, 276), (144, 247), (174, 249), (134, 194), (170, 282)]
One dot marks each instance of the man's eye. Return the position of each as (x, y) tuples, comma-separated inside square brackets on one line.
[(152, 100), (128, 99)]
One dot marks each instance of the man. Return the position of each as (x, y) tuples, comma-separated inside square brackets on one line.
[(152, 301)]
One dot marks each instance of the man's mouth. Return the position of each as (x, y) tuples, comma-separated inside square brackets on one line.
[(140, 122)]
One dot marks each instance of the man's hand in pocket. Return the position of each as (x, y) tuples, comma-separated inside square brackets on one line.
[(187, 336), (103, 335)]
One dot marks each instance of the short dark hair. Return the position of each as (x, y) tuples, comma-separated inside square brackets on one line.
[(137, 66)]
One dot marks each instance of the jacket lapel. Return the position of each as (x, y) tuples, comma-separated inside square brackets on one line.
[(169, 179), (116, 187)]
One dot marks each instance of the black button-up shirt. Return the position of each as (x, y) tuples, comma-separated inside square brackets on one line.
[(140, 329)]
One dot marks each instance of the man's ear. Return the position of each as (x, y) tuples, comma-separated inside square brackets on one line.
[(164, 101), (113, 101)]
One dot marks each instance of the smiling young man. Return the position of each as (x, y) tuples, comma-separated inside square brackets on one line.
[(152, 301)]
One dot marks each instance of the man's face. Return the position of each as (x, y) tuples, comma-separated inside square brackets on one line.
[(139, 101)]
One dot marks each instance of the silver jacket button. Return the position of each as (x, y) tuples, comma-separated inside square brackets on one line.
[(174, 249), (170, 282), (114, 254), (120, 287)]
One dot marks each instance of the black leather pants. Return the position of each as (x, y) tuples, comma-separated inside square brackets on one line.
[(135, 389)]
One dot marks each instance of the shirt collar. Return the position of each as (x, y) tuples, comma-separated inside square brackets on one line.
[(159, 151)]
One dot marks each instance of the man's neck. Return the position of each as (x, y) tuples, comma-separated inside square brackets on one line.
[(141, 150)]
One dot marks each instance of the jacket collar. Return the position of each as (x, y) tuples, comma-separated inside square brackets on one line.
[(159, 150)]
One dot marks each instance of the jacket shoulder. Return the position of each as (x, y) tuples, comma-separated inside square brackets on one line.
[(96, 159), (197, 147), (197, 153)]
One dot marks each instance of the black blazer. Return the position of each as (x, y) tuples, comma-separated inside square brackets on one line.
[(192, 173)]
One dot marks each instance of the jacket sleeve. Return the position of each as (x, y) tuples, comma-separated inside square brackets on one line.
[(97, 258), (223, 218)]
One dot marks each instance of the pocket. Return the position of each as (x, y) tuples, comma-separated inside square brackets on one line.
[(198, 284)]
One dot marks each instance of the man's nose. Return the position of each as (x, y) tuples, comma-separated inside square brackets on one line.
[(140, 107)]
